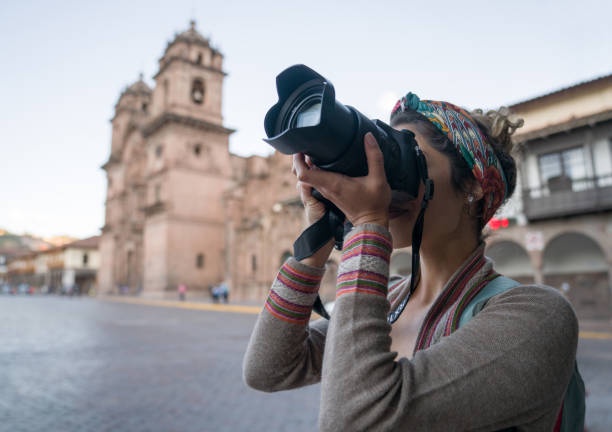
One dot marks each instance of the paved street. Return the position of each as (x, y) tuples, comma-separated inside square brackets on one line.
[(81, 364)]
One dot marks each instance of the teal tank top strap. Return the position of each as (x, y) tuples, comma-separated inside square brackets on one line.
[(493, 288)]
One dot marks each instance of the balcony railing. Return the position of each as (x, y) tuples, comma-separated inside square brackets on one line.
[(564, 196)]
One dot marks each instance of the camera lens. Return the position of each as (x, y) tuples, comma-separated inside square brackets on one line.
[(303, 109), (308, 114)]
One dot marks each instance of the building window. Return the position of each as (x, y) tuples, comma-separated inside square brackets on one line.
[(144, 107), (254, 263), (159, 150), (197, 149), (200, 261), (197, 91), (199, 59), (85, 259), (565, 169)]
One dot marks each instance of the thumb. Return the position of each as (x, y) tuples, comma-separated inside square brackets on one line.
[(376, 163)]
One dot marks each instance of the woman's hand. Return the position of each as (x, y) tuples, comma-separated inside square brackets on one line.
[(314, 208), (361, 199)]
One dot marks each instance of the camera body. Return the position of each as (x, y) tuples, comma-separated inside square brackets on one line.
[(308, 119)]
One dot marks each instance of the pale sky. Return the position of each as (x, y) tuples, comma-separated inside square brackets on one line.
[(65, 63)]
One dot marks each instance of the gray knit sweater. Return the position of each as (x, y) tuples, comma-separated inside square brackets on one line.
[(507, 367)]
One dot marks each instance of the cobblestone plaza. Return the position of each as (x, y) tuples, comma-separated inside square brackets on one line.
[(82, 364)]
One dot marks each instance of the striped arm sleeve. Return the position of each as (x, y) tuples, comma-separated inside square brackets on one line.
[(294, 291), (364, 267)]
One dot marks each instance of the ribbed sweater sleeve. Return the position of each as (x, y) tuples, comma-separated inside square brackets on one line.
[(284, 352), (509, 366)]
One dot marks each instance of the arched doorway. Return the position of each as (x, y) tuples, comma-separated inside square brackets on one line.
[(511, 260), (576, 264)]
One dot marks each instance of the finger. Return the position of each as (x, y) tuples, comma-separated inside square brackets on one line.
[(299, 164), (308, 161), (303, 189), (306, 194), (303, 170), (376, 163)]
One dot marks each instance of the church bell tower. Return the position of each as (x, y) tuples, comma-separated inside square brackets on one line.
[(188, 168)]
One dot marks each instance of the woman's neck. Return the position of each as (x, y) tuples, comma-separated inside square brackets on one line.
[(439, 263)]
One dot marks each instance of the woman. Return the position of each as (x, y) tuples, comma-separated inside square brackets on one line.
[(508, 367)]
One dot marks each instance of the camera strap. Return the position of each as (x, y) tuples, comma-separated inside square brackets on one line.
[(318, 234), (417, 234), (313, 238)]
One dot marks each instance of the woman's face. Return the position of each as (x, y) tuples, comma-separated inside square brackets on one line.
[(445, 215)]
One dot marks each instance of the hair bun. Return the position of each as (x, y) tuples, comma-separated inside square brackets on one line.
[(499, 125)]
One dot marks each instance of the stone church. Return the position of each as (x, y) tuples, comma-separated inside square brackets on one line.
[(180, 208)]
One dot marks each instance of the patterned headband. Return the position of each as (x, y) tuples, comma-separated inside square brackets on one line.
[(461, 129)]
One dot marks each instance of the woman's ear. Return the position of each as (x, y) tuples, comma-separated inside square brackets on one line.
[(476, 191), (473, 200), (473, 192)]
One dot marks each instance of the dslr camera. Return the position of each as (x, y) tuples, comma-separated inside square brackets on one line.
[(308, 119)]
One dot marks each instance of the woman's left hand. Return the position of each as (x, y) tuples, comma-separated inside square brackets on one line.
[(361, 199)]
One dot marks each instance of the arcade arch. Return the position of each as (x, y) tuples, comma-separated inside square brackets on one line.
[(511, 260), (577, 265)]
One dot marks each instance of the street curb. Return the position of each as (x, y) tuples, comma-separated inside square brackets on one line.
[(235, 308), (589, 330)]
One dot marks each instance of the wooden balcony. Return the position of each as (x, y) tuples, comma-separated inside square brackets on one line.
[(568, 197)]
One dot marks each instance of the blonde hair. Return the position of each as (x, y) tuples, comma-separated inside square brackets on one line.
[(498, 126)]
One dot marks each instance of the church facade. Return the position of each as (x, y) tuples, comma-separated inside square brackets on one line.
[(179, 207)]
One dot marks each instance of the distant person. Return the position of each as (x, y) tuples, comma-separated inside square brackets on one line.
[(225, 291), (182, 292), (220, 292)]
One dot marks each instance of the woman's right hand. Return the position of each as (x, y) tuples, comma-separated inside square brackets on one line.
[(314, 209)]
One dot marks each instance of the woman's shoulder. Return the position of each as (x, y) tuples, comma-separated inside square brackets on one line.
[(536, 292), (535, 303)]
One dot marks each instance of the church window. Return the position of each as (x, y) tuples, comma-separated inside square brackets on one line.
[(197, 149), (197, 91), (159, 150), (144, 107), (199, 59), (254, 263), (200, 260)]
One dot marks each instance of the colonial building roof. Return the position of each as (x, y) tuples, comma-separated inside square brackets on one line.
[(600, 81), (583, 104), (86, 243), (569, 125)]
